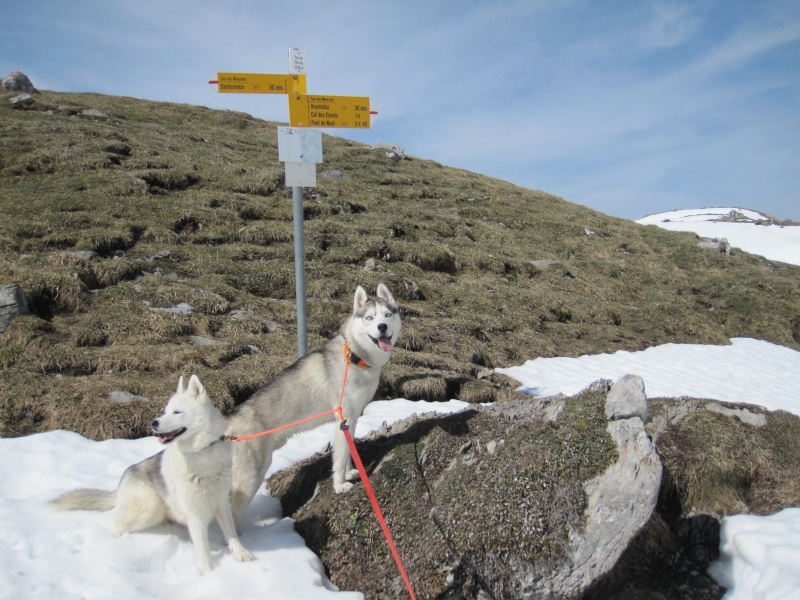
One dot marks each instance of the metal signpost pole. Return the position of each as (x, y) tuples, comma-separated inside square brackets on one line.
[(300, 271), (300, 147), (296, 66)]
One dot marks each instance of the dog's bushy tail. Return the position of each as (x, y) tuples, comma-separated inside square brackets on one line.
[(86, 499)]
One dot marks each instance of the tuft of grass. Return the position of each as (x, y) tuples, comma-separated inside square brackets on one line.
[(722, 466), (713, 461)]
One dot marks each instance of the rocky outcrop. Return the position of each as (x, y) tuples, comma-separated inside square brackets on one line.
[(621, 500), (525, 499), (718, 459)]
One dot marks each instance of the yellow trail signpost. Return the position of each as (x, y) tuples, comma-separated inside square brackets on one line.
[(329, 111), (305, 110), (300, 148), (260, 83)]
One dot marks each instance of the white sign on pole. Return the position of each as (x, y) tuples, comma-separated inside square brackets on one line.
[(299, 144), (301, 174), (297, 61)]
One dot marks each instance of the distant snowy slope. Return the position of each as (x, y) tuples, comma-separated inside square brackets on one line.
[(772, 241)]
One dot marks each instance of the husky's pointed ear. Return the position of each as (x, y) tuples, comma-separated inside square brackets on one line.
[(385, 295), (195, 388), (181, 386), (360, 299)]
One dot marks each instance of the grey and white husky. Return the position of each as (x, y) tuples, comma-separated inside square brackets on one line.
[(311, 386), (189, 482)]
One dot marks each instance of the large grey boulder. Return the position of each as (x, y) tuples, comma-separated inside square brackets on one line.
[(13, 304), (18, 82), (527, 499)]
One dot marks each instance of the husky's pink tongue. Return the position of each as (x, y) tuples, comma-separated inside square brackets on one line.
[(385, 343), (166, 438)]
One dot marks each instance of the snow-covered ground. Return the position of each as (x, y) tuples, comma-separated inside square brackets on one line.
[(775, 242), (47, 554)]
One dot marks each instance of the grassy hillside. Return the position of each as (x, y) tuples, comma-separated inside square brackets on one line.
[(180, 203)]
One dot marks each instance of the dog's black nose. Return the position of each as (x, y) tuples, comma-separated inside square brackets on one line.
[(383, 327)]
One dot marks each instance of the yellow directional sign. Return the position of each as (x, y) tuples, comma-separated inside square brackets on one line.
[(329, 111), (260, 83)]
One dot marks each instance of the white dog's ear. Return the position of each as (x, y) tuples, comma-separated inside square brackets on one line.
[(385, 295), (195, 388), (360, 299), (181, 386)]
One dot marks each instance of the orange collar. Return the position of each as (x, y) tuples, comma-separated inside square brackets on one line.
[(352, 358)]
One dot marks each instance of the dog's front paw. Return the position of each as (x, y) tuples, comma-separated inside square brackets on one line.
[(352, 475), (205, 567), (242, 554), (342, 487)]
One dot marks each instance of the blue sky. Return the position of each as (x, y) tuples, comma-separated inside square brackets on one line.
[(628, 107)]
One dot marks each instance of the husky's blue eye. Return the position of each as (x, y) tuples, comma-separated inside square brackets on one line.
[(369, 318)]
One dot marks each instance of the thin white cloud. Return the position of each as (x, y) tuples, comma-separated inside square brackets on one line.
[(672, 25)]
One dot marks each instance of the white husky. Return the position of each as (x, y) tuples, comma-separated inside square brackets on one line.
[(189, 482), (311, 386)]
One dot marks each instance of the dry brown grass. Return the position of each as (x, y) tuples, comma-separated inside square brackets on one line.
[(722, 466), (185, 204)]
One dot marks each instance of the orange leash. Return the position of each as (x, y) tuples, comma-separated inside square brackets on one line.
[(375, 506), (365, 479), (234, 438)]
